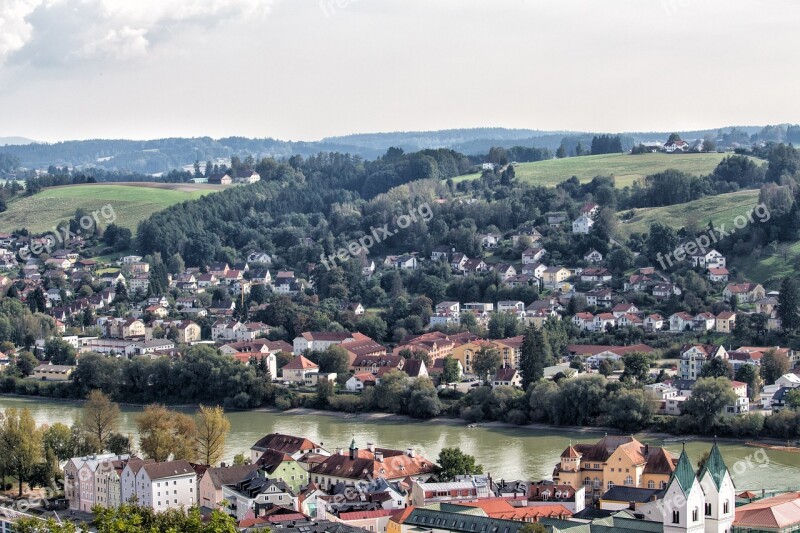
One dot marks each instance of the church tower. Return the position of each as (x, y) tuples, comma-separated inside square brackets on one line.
[(720, 493), (683, 500)]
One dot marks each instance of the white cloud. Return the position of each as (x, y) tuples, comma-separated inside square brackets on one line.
[(53, 32), (15, 31)]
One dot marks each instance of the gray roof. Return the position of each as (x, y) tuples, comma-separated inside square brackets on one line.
[(168, 469)]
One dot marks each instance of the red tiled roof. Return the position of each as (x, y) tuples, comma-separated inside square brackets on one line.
[(300, 363), (778, 512)]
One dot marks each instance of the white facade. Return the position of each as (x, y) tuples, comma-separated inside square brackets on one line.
[(160, 486)]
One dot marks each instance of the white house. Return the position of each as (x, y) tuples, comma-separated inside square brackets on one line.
[(160, 486), (582, 224)]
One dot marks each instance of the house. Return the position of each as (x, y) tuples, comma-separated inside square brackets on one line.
[(596, 275), (511, 306), (693, 357), (94, 481), (490, 240), (553, 277), (296, 369), (504, 270), (629, 320), (441, 253), (703, 322), (681, 321), (366, 347), (220, 179), (725, 322), (283, 467), (49, 372), (507, 377), (534, 269), (401, 262), (766, 305), (533, 255), (256, 493), (473, 266), (246, 176), (319, 341), (210, 484), (603, 322), (160, 486), (584, 321), (654, 322), (743, 292), (742, 403), (613, 461), (707, 259), (599, 298), (295, 447), (458, 261), (716, 274), (583, 224), (665, 290), (590, 209), (355, 466), (637, 283), (624, 309), (676, 146), (593, 256), (360, 381)]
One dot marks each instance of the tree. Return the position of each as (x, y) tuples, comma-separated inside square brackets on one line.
[(774, 364), (486, 362), (605, 367), (134, 519), (534, 355), (120, 292), (637, 367), (20, 445), (212, 429), (789, 304), (453, 462), (25, 362), (749, 374), (630, 410), (119, 444), (793, 399), (717, 368), (59, 352), (58, 438), (709, 397), (99, 419), (165, 433), (335, 359), (450, 371), (389, 394)]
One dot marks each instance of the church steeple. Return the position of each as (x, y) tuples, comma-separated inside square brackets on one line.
[(684, 473), (715, 466)]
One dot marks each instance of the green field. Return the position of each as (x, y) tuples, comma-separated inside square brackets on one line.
[(625, 168), (721, 209), (131, 203), (771, 266)]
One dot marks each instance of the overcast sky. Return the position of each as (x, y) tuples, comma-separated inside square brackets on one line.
[(306, 69)]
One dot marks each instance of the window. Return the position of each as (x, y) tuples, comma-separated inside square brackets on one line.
[(629, 481), (587, 481), (725, 507), (676, 517), (708, 509), (695, 514), (610, 485), (651, 484)]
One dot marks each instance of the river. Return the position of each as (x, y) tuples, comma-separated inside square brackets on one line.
[(505, 452)]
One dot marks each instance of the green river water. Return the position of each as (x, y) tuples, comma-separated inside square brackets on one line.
[(505, 452)]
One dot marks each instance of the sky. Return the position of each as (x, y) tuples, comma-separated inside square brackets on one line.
[(308, 69)]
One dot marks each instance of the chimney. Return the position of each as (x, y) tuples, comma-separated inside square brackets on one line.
[(339, 451), (646, 450), (223, 465), (371, 446), (411, 452), (379, 456)]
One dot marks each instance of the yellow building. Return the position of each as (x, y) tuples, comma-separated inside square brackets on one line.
[(465, 353), (614, 461)]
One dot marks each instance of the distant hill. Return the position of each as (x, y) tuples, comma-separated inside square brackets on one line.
[(162, 155), (6, 141)]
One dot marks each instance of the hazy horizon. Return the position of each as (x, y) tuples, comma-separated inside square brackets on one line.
[(303, 70)]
